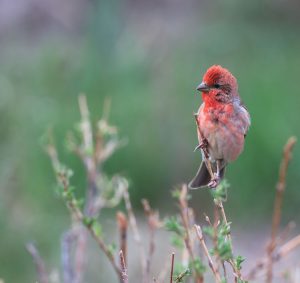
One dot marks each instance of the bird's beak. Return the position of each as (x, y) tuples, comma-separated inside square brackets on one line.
[(203, 87)]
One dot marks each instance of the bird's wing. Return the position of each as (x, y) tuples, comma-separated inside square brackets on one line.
[(243, 116)]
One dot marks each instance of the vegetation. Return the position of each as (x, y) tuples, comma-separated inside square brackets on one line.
[(217, 255)]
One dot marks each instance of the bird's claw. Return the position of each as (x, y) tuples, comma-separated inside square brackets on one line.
[(214, 182), (203, 145)]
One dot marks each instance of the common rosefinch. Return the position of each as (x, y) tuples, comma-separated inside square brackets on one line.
[(222, 125)]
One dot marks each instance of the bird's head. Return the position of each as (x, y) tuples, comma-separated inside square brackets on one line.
[(218, 84)]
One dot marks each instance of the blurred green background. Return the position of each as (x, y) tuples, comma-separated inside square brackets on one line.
[(148, 57)]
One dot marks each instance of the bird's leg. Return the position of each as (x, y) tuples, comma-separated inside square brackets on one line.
[(215, 181), (203, 145)]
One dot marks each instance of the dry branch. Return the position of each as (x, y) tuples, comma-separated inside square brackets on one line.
[(39, 263), (280, 188), (136, 233), (172, 267), (210, 261), (122, 226), (124, 275)]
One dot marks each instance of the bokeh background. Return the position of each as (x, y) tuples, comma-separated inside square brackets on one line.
[(147, 57)]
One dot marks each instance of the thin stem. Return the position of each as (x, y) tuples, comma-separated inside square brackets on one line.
[(210, 261), (122, 226), (124, 275), (172, 267), (283, 251), (136, 233), (280, 188), (39, 263), (184, 213), (153, 224)]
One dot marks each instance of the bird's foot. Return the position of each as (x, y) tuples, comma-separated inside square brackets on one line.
[(203, 145), (214, 182)]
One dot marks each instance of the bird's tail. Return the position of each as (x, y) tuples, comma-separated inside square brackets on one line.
[(203, 177)]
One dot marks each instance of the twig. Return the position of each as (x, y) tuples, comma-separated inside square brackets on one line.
[(136, 233), (172, 267), (124, 275), (184, 213), (67, 241), (210, 261), (164, 271), (72, 205), (280, 188), (236, 271), (180, 277), (122, 225), (39, 263), (80, 252), (153, 224), (282, 252), (88, 155)]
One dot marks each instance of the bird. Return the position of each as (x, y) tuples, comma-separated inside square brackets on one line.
[(222, 122)]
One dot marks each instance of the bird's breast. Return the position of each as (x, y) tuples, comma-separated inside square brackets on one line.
[(219, 127)]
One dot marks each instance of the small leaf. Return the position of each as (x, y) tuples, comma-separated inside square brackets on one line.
[(172, 224), (177, 242), (238, 262), (209, 231), (97, 228), (198, 266)]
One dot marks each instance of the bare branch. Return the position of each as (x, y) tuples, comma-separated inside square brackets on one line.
[(153, 224), (67, 241), (184, 213), (136, 233), (282, 252), (210, 261), (122, 225), (172, 267), (124, 275), (39, 263), (280, 188)]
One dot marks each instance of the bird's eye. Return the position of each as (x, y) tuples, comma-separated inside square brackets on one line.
[(216, 85)]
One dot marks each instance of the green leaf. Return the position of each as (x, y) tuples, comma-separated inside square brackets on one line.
[(172, 224), (224, 249), (209, 231), (238, 262), (182, 275), (224, 229), (220, 192), (177, 242), (198, 266), (97, 228), (112, 248)]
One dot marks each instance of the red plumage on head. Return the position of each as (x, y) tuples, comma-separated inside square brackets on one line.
[(218, 74)]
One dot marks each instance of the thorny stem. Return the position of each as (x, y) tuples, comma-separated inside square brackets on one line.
[(280, 188), (210, 261)]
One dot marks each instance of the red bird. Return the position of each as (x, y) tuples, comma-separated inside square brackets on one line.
[(222, 125)]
